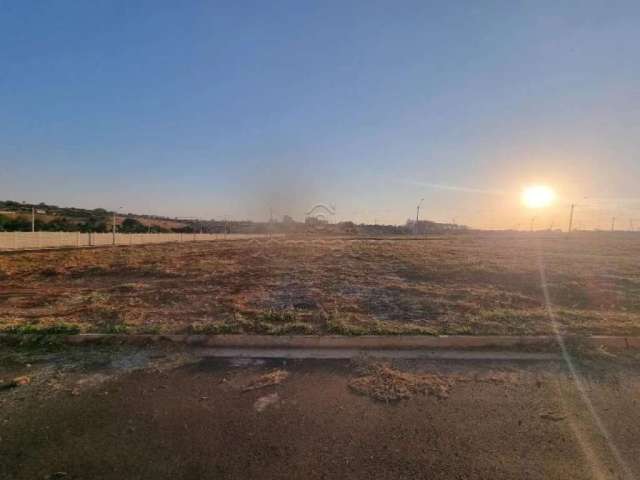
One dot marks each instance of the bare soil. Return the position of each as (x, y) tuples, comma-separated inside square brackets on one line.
[(463, 284)]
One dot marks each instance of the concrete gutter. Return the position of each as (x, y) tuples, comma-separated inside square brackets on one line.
[(348, 353), (365, 342)]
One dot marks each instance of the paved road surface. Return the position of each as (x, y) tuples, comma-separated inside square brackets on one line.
[(98, 414)]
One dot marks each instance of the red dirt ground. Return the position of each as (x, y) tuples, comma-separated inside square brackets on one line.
[(464, 284)]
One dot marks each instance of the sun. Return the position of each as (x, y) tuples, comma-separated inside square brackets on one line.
[(537, 196)]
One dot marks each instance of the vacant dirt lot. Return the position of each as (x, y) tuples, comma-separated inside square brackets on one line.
[(465, 284)]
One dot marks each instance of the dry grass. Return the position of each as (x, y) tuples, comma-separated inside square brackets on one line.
[(466, 284), (386, 384), (275, 377)]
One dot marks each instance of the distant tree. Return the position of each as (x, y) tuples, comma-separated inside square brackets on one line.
[(347, 228), (17, 224), (131, 225), (185, 229), (58, 224), (94, 224)]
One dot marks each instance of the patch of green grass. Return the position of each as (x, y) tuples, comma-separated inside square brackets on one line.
[(353, 327), (458, 329), (272, 322), (278, 316), (115, 328), (282, 322), (48, 337), (35, 329), (214, 328), (294, 328), (112, 326), (505, 321)]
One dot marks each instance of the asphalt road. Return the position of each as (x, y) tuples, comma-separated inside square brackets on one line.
[(146, 414)]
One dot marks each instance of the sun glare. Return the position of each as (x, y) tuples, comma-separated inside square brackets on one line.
[(537, 196)]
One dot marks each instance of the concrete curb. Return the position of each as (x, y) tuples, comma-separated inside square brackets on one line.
[(380, 342)]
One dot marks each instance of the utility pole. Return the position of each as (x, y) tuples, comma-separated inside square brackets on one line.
[(114, 228), (418, 214), (226, 225), (114, 225), (33, 219), (573, 205), (613, 224)]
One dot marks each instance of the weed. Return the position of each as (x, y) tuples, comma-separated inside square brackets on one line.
[(295, 328), (278, 316), (215, 328), (354, 327), (35, 329), (266, 323), (114, 328), (34, 336)]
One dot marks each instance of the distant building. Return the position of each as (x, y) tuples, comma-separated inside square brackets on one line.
[(320, 214), (427, 226), (314, 221)]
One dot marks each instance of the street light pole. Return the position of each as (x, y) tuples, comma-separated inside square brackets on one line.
[(573, 205), (33, 219), (418, 214)]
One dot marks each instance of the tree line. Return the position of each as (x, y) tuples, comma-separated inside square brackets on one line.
[(94, 224)]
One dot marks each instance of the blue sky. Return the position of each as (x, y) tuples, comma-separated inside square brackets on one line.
[(226, 108)]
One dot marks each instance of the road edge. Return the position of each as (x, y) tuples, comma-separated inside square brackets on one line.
[(397, 342)]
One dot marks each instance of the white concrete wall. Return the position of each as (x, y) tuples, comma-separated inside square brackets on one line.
[(36, 240)]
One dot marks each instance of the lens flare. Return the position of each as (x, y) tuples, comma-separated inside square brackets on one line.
[(537, 196)]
